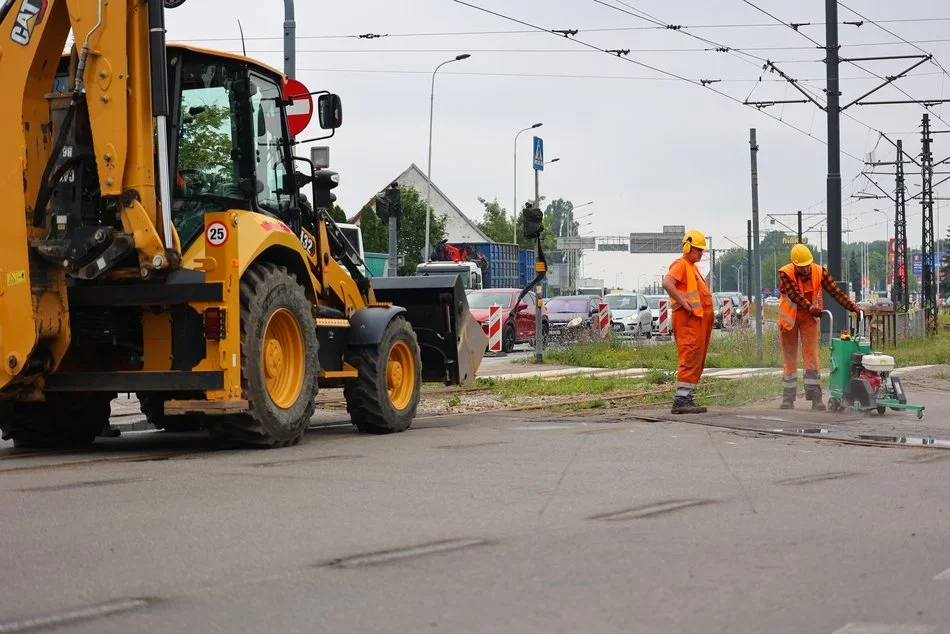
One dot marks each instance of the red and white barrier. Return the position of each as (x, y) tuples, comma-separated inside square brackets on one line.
[(727, 313), (664, 318), (603, 320), (745, 311), (494, 329)]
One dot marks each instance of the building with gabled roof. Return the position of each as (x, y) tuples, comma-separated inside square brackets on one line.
[(458, 226)]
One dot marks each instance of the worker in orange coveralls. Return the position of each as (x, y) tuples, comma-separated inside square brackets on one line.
[(693, 317), (801, 283)]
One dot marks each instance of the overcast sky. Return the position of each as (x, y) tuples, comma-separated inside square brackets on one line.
[(647, 149)]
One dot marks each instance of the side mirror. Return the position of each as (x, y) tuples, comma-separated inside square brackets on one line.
[(522, 306), (330, 111), (644, 308)]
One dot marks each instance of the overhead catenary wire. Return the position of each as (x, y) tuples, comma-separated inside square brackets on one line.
[(656, 69), (766, 25)]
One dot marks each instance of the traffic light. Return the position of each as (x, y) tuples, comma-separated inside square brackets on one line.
[(323, 182), (395, 201), (389, 204), (533, 221)]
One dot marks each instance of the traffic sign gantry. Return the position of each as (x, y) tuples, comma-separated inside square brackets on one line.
[(538, 153)]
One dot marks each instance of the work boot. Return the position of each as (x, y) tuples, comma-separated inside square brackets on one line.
[(686, 405), (788, 398), (818, 405)]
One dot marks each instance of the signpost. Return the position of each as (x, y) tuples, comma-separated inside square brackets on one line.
[(538, 164)]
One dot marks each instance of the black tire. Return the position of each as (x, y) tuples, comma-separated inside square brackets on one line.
[(834, 405), (508, 335), (267, 290), (367, 397), (881, 410), (153, 406), (63, 421)]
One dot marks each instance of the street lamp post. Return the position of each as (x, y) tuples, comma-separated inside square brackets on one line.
[(739, 276), (887, 249), (514, 207), (457, 58)]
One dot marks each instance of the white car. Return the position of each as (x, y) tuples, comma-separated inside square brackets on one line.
[(630, 315), (770, 301)]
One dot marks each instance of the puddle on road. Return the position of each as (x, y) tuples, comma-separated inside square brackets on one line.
[(907, 440)]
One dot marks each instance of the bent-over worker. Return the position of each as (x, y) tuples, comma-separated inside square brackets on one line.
[(801, 283), (693, 317)]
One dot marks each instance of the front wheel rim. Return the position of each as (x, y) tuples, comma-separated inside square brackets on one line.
[(282, 358), (400, 375)]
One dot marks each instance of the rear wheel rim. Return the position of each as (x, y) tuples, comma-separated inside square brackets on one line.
[(282, 358), (400, 375)]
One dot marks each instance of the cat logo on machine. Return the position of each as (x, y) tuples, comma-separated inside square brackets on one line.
[(216, 234), (29, 16)]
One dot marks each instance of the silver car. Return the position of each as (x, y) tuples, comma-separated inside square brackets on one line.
[(630, 315)]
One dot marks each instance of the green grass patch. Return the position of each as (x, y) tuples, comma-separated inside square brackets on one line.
[(566, 386), (720, 392), (933, 351), (730, 350), (592, 392)]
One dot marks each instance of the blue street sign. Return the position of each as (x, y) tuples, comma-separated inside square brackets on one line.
[(538, 153), (917, 263)]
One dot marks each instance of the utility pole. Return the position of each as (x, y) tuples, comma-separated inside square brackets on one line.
[(712, 264), (833, 193), (928, 291), (799, 227), (757, 260), (901, 291), (290, 40), (748, 267)]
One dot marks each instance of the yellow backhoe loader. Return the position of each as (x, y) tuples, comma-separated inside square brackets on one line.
[(154, 240)]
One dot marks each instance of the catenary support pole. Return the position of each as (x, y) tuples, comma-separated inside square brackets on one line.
[(833, 192), (757, 259)]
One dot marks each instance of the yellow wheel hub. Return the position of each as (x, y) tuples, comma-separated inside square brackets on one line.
[(282, 357), (400, 375)]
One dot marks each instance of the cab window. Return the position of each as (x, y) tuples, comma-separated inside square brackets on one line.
[(269, 154)]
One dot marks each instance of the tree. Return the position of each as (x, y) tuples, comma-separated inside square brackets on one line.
[(729, 264), (205, 144), (411, 237), (338, 214), (548, 239), (495, 223), (557, 215)]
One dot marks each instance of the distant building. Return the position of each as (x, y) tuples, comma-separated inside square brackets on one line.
[(458, 226)]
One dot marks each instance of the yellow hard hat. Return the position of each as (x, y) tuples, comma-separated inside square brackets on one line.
[(694, 239), (801, 255)]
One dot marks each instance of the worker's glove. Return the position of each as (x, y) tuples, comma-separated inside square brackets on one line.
[(815, 311)]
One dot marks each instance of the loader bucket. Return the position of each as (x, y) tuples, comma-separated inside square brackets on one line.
[(451, 342)]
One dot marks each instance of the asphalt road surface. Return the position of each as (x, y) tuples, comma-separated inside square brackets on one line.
[(612, 521)]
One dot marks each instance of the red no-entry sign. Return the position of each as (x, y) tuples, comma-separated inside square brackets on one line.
[(301, 112)]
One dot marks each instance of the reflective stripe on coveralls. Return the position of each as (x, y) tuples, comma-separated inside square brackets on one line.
[(692, 289), (788, 310)]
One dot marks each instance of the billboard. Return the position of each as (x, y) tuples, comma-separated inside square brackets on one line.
[(917, 262)]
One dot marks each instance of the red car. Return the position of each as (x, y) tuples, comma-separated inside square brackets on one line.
[(518, 326)]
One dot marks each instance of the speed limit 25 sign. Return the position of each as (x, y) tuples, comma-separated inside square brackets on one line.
[(216, 234)]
